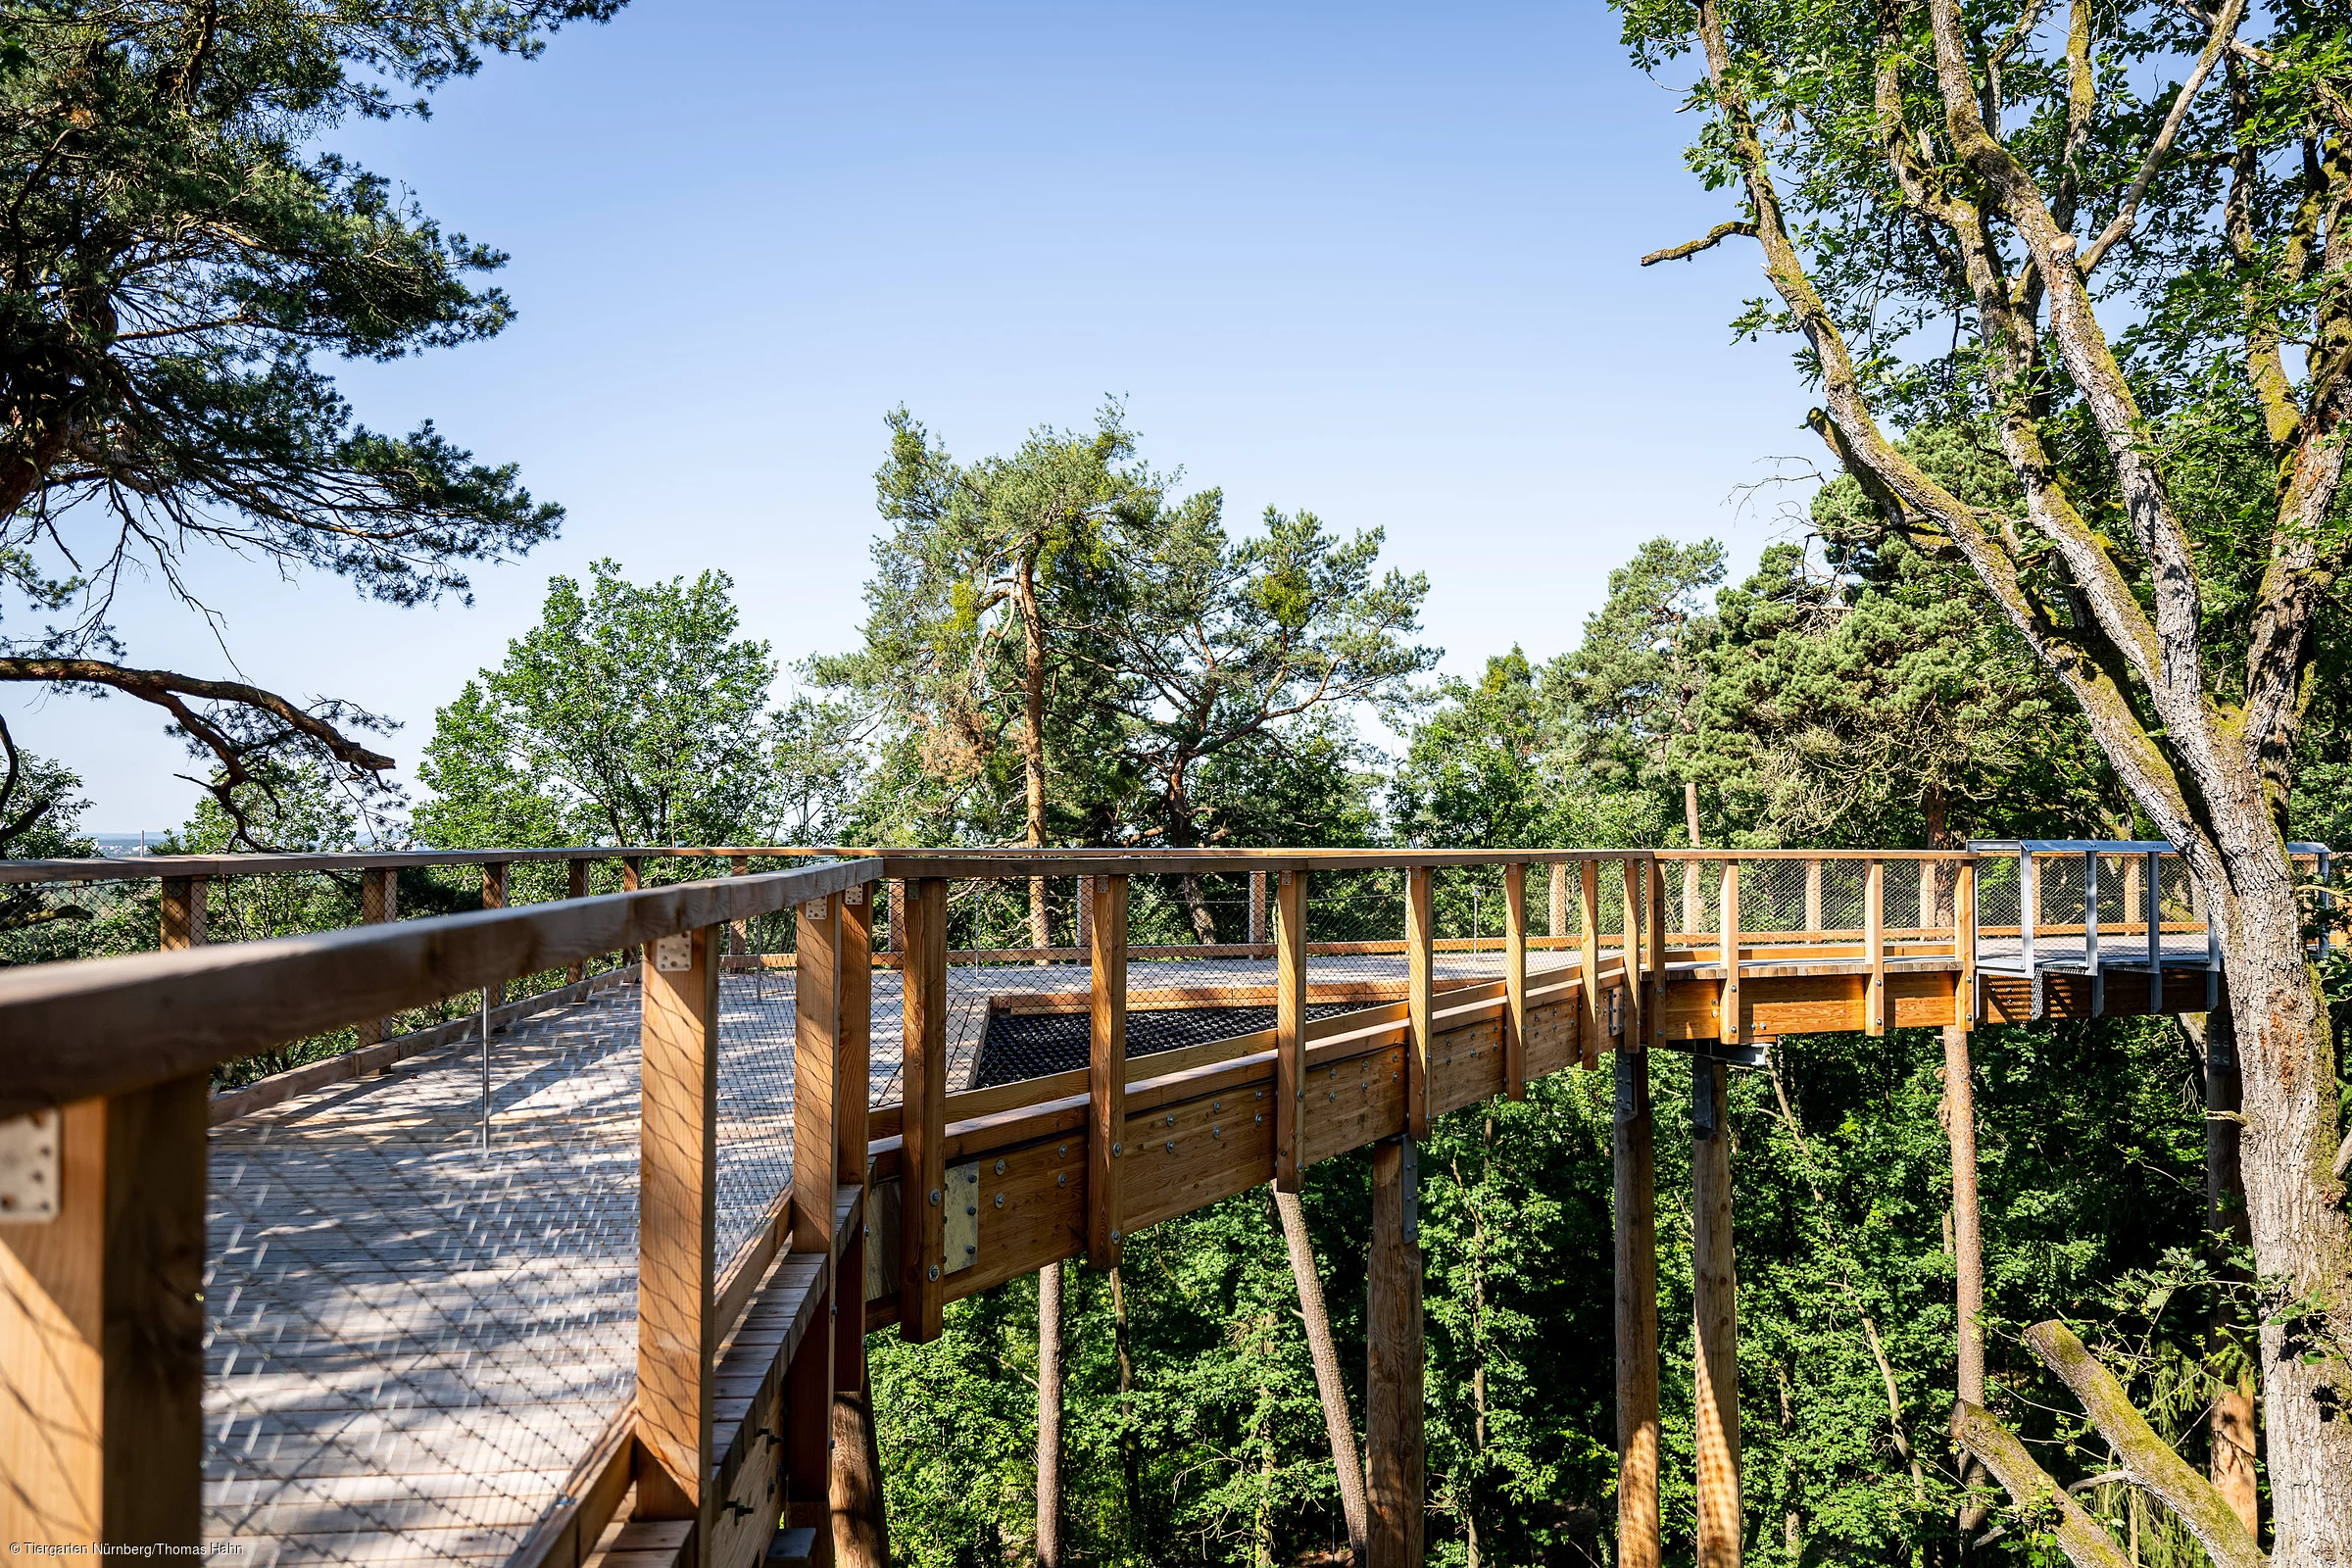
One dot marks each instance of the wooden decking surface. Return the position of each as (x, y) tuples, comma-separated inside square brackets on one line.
[(410, 1343)]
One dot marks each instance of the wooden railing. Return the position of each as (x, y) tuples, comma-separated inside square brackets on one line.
[(108, 1058)]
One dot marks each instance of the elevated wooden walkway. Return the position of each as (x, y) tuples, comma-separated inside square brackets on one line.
[(485, 1306)]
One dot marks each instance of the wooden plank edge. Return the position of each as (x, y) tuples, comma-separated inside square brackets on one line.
[(566, 1536)]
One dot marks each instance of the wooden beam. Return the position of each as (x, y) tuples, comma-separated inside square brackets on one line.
[(817, 1089), (860, 1536), (1634, 953), (104, 1026), (1729, 1016), (924, 1090), (1392, 1359), (1588, 909), (101, 1329), (1874, 948), (1106, 1072), (677, 1227), (1636, 1239), (1419, 990), (183, 918), (1289, 1028), (1514, 979), (1715, 1320)]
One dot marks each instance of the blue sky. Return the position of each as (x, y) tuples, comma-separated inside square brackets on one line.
[(1375, 262)]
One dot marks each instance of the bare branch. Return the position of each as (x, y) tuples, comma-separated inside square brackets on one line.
[(1690, 247), (2224, 29)]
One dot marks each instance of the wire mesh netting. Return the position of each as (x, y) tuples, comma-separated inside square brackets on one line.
[(421, 1290)]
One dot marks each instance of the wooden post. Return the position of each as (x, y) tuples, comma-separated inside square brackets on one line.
[(1290, 1029), (898, 916), (820, 1098), (1257, 907), (1964, 943), (102, 1327), (816, 1086), (1635, 956), (677, 1230), (1086, 913), (1588, 911), (1874, 948), (1420, 985), (860, 1536), (576, 886), (1655, 1018), (494, 897), (1557, 923), (1515, 980), (183, 912), (923, 1086), (1636, 1312), (1715, 1319), (1813, 915), (1106, 1071), (1392, 1359), (1732, 1027), (380, 898)]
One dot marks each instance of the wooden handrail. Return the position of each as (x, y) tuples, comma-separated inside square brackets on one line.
[(105, 1026)]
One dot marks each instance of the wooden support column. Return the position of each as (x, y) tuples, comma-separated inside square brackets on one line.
[(1420, 989), (1733, 1028), (923, 1083), (102, 1327), (677, 1230), (1392, 1359), (861, 1537), (576, 886), (1587, 910), (182, 920), (1715, 1319), (1106, 1071), (1257, 907), (1637, 1314), (1636, 953), (1290, 1029), (1557, 922), (1085, 911), (494, 897), (1874, 948), (380, 899), (1515, 980), (820, 1108)]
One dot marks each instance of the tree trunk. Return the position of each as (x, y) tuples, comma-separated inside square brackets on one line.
[(1130, 1457), (2232, 1426), (1338, 1424), (2286, 1059), (1049, 1416)]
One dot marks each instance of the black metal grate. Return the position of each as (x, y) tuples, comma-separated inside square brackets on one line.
[(1016, 1047)]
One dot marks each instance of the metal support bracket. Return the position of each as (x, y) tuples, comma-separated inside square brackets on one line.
[(962, 1227)]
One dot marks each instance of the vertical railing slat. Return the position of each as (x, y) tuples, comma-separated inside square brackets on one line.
[(923, 1088), (1290, 1030), (1106, 1071), (1420, 981), (1515, 980), (677, 1225)]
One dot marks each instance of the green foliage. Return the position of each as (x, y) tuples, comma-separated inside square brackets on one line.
[(631, 716), (180, 255)]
